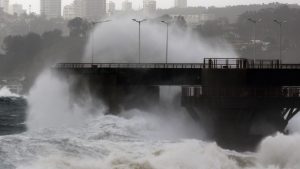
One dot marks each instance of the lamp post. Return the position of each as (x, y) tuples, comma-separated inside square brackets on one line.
[(254, 22), (94, 24), (280, 36), (167, 40), (139, 22), (27, 21)]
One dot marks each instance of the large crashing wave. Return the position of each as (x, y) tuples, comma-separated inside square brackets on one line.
[(109, 142)]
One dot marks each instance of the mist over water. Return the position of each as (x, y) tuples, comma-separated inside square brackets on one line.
[(51, 104), (117, 41)]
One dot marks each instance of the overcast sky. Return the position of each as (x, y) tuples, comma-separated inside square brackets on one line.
[(165, 3)]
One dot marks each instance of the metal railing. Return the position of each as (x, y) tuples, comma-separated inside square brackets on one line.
[(208, 63), (286, 91), (175, 66), (132, 65)]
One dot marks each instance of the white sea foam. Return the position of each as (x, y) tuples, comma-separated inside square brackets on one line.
[(111, 142), (5, 92)]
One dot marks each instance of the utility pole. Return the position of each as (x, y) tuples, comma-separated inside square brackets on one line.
[(94, 24), (280, 23), (139, 22), (254, 22), (167, 40)]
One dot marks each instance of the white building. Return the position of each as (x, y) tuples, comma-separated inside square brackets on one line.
[(198, 19), (79, 8), (206, 17), (95, 10), (92, 10), (180, 3), (111, 7), (17, 9), (4, 5), (126, 5), (69, 12), (149, 7), (51, 8)]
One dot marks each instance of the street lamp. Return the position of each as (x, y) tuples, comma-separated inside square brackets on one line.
[(280, 36), (139, 22), (254, 22), (94, 24), (27, 21), (167, 40)]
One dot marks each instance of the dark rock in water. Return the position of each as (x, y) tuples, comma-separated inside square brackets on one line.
[(12, 115)]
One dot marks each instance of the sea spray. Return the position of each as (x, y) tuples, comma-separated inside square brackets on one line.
[(117, 41), (51, 105), (5, 92)]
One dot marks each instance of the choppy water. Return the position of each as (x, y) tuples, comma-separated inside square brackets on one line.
[(57, 139), (12, 115)]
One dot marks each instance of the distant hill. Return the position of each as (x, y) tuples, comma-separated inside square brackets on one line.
[(230, 12)]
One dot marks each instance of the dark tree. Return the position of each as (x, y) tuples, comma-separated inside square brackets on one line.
[(78, 27)]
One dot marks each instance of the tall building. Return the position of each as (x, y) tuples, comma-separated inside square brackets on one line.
[(69, 12), (51, 8), (95, 9), (17, 9), (126, 5), (86, 9), (149, 6), (79, 8), (111, 7), (180, 3), (4, 5)]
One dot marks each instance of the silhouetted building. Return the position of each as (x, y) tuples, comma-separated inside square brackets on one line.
[(196, 19), (95, 9), (51, 8), (69, 12), (17, 9), (180, 3), (126, 5), (4, 4), (111, 7), (92, 10), (149, 7), (79, 8)]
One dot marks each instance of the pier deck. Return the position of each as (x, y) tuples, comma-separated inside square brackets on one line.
[(237, 101)]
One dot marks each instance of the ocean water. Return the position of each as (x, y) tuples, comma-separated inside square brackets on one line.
[(59, 134), (12, 112)]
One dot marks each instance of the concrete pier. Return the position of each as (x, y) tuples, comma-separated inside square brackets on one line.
[(237, 101)]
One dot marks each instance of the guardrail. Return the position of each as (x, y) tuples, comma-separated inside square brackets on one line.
[(176, 66), (131, 65), (285, 91)]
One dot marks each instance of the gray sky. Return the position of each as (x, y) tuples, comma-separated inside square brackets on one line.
[(166, 3)]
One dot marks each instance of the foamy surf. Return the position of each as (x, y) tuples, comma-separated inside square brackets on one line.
[(5, 92), (110, 142)]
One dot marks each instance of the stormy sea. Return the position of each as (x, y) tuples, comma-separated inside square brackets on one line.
[(50, 129), (46, 130)]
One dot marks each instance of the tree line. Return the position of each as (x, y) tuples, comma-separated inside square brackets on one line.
[(267, 31), (27, 55)]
